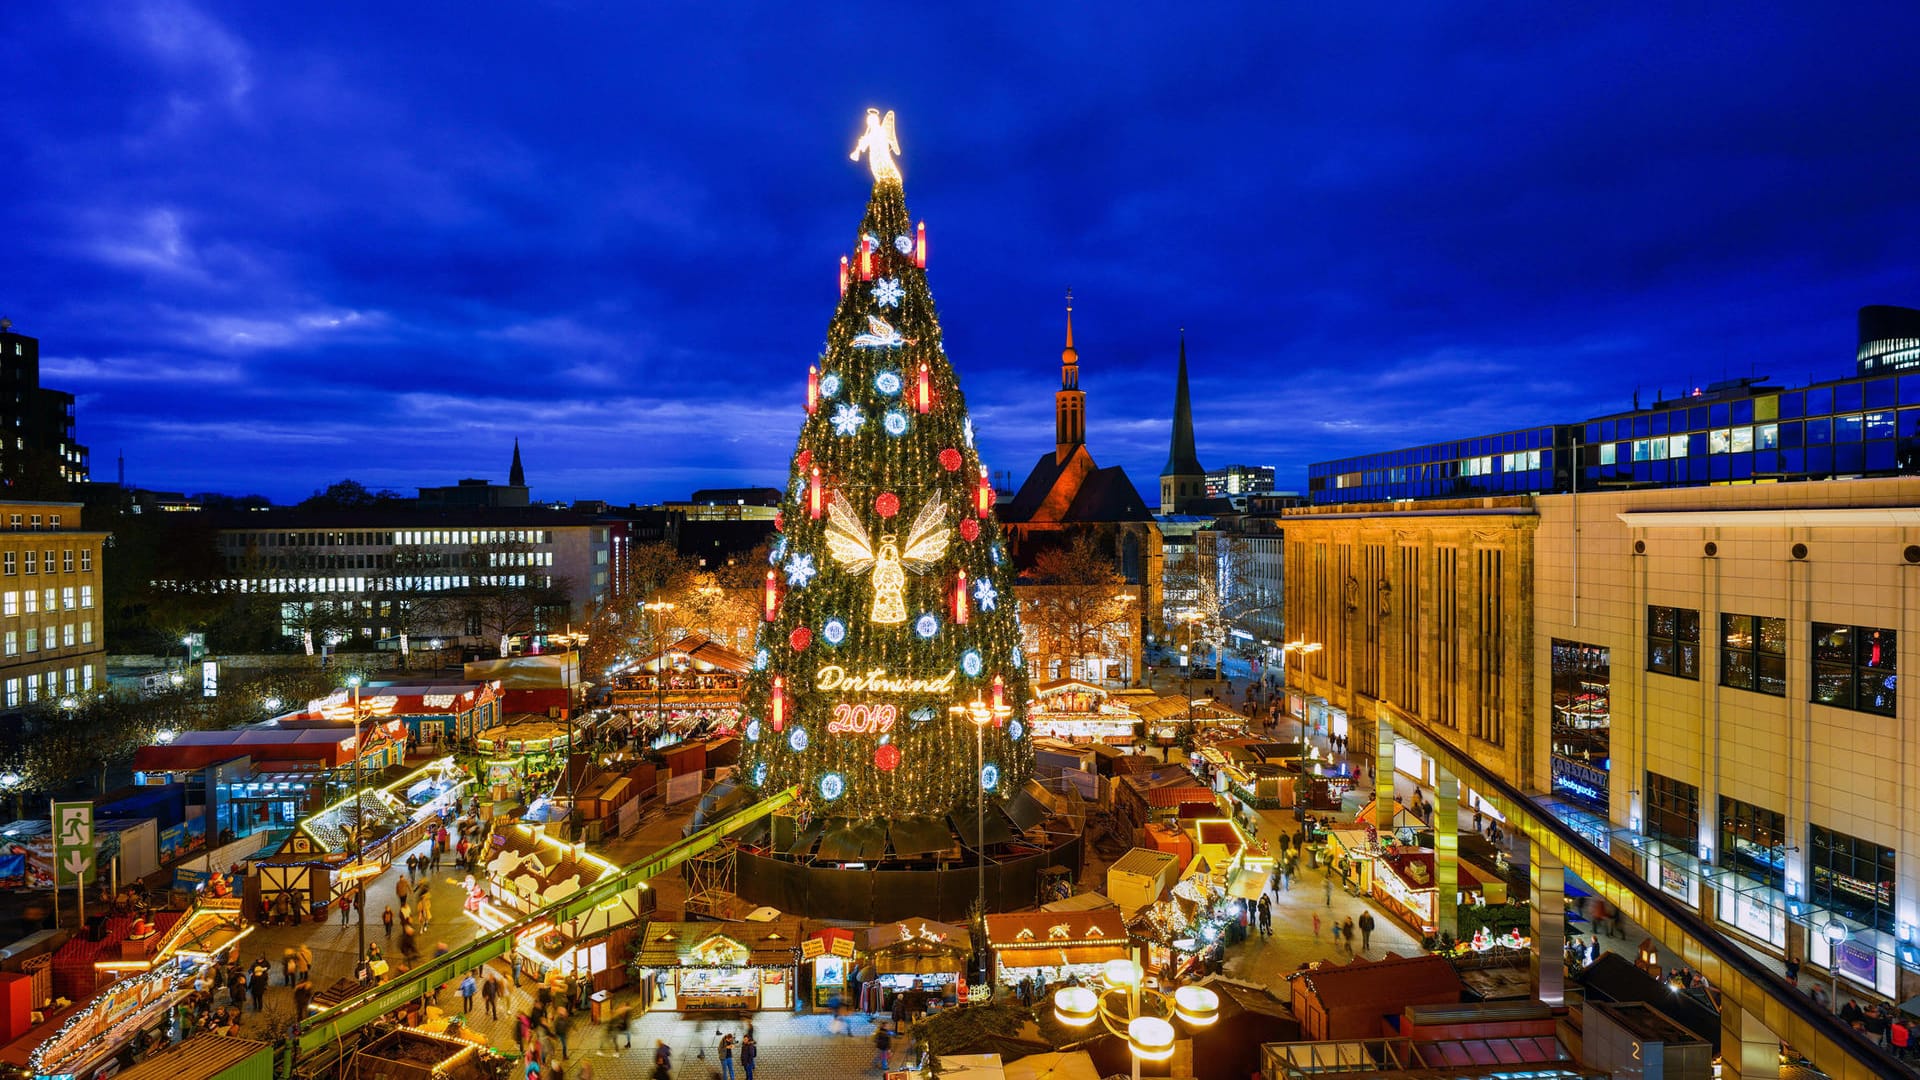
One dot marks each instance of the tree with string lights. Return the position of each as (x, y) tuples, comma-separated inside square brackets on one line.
[(888, 680)]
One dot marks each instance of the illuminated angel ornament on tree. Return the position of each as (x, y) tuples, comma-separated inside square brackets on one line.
[(874, 655), (849, 545), (879, 143)]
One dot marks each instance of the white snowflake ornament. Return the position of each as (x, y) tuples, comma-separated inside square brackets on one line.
[(847, 420), (800, 570), (887, 292), (985, 595)]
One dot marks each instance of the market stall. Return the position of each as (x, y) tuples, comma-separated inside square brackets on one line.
[(709, 967), (1080, 712), (527, 870), (828, 953), (1351, 853), (354, 838), (690, 689), (1053, 947), (1404, 882), (920, 956), (430, 714)]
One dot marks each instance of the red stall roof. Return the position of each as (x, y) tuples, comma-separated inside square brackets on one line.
[(328, 745)]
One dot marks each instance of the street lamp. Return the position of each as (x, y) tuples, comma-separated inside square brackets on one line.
[(272, 704), (10, 783), (1142, 1015), (1836, 933), (1304, 648), (983, 714), (165, 736), (653, 610), (359, 818)]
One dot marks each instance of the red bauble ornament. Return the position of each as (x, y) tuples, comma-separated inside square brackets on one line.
[(779, 521), (804, 460), (969, 529), (800, 638), (950, 459), (886, 757), (887, 505)]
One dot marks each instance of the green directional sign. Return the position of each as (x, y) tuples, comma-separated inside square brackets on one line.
[(73, 848)]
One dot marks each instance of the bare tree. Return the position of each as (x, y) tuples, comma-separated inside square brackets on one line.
[(507, 590), (1076, 608)]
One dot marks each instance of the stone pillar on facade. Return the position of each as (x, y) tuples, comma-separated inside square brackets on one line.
[(1547, 894), (1383, 746), (1446, 854), (1748, 1050)]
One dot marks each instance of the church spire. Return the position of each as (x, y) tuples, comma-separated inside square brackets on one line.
[(517, 475), (1184, 479), (1069, 404)]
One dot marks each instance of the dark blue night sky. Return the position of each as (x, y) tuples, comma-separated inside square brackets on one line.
[(271, 247)]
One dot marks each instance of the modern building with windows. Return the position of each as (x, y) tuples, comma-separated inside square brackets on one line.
[(1739, 647), (51, 644), (1739, 431), (39, 455), (365, 568)]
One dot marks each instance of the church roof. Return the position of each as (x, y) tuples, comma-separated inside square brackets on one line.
[(1105, 495)]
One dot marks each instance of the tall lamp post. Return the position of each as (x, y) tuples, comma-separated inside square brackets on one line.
[(1141, 1014), (983, 714), (653, 610), (1836, 934), (359, 819), (1303, 647)]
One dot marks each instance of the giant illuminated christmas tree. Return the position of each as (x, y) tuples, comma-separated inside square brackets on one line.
[(888, 681)]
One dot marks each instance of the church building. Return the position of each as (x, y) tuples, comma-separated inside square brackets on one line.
[(1067, 494)]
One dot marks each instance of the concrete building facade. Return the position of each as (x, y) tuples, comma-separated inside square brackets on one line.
[(1762, 744), (1426, 608)]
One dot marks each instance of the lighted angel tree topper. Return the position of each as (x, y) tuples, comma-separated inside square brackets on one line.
[(884, 631)]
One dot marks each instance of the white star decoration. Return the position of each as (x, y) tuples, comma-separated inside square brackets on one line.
[(847, 420)]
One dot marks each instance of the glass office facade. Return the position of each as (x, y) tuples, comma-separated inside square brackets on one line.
[(1512, 463), (1746, 434), (1851, 428)]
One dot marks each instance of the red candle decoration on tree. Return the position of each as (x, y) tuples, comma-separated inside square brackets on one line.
[(950, 459), (777, 704), (999, 699), (920, 246), (887, 505), (960, 598), (816, 495), (866, 259), (813, 389), (983, 494), (969, 529), (772, 602), (800, 638), (923, 393), (844, 274), (886, 757)]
